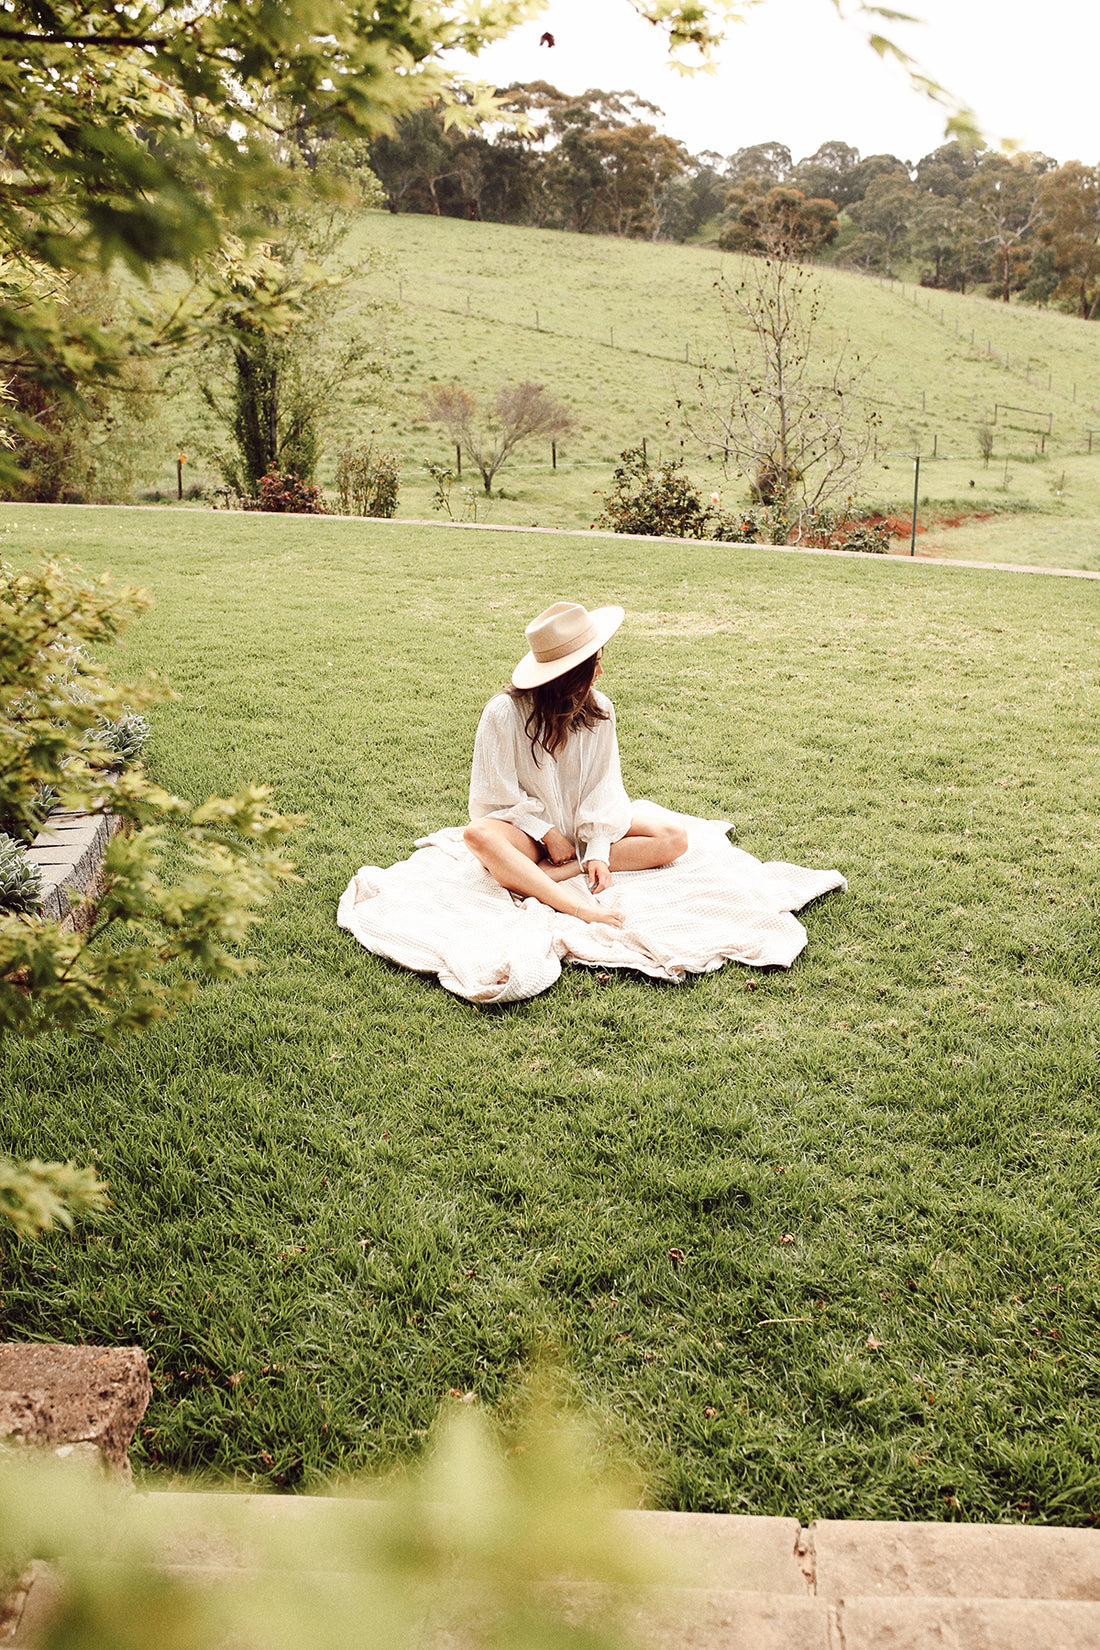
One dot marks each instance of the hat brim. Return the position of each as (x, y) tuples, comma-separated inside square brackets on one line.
[(530, 673)]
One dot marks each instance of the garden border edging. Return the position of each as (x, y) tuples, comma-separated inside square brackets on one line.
[(69, 851)]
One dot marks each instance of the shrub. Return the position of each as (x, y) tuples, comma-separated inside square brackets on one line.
[(665, 502), (55, 702), (662, 501), (286, 494), (844, 530), (367, 480), (20, 881)]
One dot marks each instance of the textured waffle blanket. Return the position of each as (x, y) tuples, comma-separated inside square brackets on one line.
[(442, 913)]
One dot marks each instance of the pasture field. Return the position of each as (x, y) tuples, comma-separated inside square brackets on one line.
[(606, 323), (819, 1242)]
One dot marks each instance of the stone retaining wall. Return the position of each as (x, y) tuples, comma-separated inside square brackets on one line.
[(69, 850)]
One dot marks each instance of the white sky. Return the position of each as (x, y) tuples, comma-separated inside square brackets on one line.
[(796, 74)]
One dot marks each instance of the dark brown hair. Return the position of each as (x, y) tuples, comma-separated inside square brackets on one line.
[(558, 708)]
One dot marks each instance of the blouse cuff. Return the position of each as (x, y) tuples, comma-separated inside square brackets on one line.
[(529, 825), (598, 848)]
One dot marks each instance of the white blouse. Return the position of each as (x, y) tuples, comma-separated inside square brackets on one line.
[(579, 791)]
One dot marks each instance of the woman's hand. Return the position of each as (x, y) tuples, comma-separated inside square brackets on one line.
[(559, 849), (598, 873)]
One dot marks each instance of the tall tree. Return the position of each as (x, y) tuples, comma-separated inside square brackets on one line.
[(827, 173), (946, 171), (782, 223), (885, 212), (764, 164), (275, 393), (1004, 194), (791, 416), (1069, 225)]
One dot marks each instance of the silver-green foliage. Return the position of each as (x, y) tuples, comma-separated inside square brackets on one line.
[(125, 738), (20, 880)]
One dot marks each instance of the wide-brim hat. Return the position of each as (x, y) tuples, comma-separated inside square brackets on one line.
[(561, 637)]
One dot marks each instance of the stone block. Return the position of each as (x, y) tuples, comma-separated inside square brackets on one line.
[(731, 1621), (74, 1400), (69, 850), (967, 1624), (719, 1550), (867, 1559)]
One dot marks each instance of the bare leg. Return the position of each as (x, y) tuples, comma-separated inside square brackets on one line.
[(509, 855), (652, 840)]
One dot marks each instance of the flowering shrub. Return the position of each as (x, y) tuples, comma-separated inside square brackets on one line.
[(287, 495)]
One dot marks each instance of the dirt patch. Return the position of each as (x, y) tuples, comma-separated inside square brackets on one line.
[(677, 624), (901, 527)]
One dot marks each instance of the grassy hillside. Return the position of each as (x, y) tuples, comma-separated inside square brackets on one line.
[(606, 324)]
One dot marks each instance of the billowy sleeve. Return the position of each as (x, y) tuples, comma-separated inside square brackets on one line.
[(603, 812), (495, 788)]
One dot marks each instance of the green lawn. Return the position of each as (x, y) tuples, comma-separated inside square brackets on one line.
[(606, 323), (340, 1193)]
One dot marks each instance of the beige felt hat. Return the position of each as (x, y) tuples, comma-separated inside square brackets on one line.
[(562, 637)]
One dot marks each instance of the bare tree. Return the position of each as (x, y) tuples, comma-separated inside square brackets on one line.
[(792, 417), (520, 412)]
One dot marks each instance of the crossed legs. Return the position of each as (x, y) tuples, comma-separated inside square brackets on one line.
[(509, 855)]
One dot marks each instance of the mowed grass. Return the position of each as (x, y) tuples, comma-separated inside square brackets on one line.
[(818, 1243), (606, 324)]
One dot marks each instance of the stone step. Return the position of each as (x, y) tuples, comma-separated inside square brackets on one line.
[(831, 1559), (720, 1582)]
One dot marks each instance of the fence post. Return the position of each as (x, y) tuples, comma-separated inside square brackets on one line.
[(643, 450), (554, 455), (458, 456), (916, 485)]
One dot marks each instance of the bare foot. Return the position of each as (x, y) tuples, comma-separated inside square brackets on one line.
[(588, 911)]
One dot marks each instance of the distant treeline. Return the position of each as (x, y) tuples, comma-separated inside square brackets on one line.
[(595, 164)]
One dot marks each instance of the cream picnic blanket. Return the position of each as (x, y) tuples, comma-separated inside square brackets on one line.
[(442, 913)]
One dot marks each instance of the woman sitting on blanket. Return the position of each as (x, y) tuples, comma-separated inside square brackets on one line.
[(546, 794)]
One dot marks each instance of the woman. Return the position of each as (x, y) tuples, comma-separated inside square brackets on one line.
[(546, 793)]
